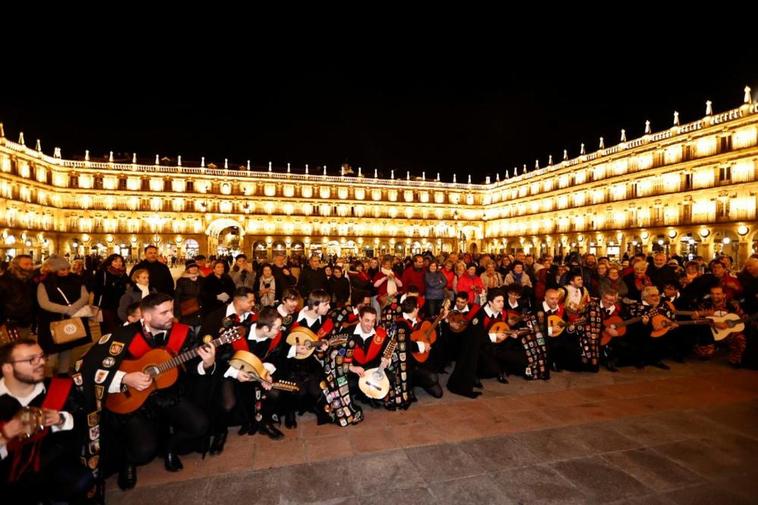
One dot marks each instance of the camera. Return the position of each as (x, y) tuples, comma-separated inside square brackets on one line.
[(266, 285)]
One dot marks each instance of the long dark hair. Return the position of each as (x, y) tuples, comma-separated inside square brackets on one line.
[(109, 261)]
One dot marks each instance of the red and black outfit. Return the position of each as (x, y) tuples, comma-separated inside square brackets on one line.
[(45, 466), (169, 419)]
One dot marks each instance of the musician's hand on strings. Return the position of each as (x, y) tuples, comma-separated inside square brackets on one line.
[(385, 362), (645, 320), (52, 417), (138, 380), (266, 385), (612, 331), (357, 370), (245, 377), (12, 429), (207, 353), (324, 346), (301, 350)]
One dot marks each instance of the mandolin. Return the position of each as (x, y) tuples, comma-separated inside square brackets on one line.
[(245, 361), (304, 336), (556, 325), (427, 334), (503, 327), (374, 382), (161, 366)]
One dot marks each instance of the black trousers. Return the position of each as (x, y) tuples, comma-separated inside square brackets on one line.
[(61, 478), (142, 432)]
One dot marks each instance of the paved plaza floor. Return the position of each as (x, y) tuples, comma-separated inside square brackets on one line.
[(684, 436)]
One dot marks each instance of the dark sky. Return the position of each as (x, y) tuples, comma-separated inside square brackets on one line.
[(467, 108)]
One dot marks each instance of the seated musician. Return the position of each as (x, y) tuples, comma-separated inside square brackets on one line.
[(224, 393), (367, 343), (45, 466), (719, 305), (610, 308), (288, 308), (256, 398), (465, 377), (419, 374), (452, 331), (505, 353), (563, 344), (166, 410), (645, 349), (304, 366)]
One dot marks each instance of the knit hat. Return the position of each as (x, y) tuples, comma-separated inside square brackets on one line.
[(55, 263)]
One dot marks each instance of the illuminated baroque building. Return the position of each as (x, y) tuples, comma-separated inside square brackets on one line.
[(690, 189)]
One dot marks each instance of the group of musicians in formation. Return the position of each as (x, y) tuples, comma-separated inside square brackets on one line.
[(259, 352)]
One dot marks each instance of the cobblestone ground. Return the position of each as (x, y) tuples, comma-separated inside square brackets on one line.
[(688, 435)]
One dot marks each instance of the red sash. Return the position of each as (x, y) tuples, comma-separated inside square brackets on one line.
[(361, 357), (55, 398), (139, 346), (242, 345)]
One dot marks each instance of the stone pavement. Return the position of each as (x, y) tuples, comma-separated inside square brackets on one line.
[(684, 436)]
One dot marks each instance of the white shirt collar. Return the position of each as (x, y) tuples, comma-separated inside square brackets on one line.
[(23, 400), (252, 336), (489, 311), (365, 336), (302, 315), (282, 311), (612, 308), (547, 307), (410, 319), (513, 306), (463, 310), (231, 310)]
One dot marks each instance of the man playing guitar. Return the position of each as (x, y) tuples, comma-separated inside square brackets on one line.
[(98, 372), (720, 306)]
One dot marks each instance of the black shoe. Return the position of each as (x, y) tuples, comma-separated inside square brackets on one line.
[(127, 477), (290, 421), (661, 365), (172, 462), (478, 384), (270, 431), (502, 378), (555, 367), (611, 367), (244, 429), (217, 446), (467, 394)]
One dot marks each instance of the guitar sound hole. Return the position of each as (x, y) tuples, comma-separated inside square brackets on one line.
[(377, 375), (152, 371)]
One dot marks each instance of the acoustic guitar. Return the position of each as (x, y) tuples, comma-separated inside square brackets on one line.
[(374, 382), (245, 361), (615, 322), (457, 321), (731, 322), (662, 324), (161, 366), (427, 334), (305, 337)]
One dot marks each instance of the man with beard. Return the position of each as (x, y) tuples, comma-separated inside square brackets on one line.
[(46, 465), (18, 293), (168, 410)]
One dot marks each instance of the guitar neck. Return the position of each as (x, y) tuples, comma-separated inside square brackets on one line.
[(696, 321), (629, 321), (182, 358)]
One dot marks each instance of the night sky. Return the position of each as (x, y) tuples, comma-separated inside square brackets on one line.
[(465, 108)]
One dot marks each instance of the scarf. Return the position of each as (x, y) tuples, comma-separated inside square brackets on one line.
[(144, 289), (391, 285)]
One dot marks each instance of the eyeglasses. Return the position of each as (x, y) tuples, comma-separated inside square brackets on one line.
[(34, 360)]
